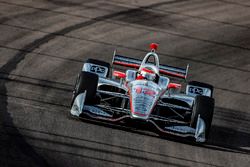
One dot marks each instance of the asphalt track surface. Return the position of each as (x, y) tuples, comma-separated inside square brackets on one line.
[(43, 44)]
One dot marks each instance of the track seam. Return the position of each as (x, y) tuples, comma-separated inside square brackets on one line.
[(159, 30), (136, 6), (187, 15)]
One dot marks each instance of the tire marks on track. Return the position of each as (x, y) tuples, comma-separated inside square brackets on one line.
[(139, 7), (20, 143), (233, 2), (134, 10), (197, 17), (121, 46), (10, 66)]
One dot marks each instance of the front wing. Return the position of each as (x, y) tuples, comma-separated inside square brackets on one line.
[(104, 113)]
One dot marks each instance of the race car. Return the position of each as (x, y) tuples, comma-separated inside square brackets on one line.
[(144, 94)]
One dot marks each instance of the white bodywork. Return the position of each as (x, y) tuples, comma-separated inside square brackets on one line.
[(143, 96)]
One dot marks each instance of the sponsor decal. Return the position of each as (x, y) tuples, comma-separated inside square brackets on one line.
[(97, 69), (143, 99), (96, 111), (181, 129), (138, 90), (149, 92), (145, 91), (195, 90)]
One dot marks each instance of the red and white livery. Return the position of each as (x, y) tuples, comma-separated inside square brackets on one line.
[(148, 93)]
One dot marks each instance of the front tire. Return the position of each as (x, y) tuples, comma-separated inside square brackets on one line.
[(203, 106), (86, 81)]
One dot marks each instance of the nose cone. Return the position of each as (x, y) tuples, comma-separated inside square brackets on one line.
[(143, 97)]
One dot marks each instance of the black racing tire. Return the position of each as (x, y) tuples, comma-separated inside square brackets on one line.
[(203, 85), (203, 106), (99, 62), (86, 81)]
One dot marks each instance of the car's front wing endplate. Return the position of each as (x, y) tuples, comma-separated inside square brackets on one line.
[(198, 133)]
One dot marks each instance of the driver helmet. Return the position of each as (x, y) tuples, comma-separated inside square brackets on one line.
[(147, 74)]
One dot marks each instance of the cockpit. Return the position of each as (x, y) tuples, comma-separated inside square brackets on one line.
[(149, 70)]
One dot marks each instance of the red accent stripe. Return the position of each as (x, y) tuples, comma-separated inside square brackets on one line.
[(119, 74), (147, 70), (139, 77), (130, 101), (174, 85), (137, 113), (127, 64), (172, 74)]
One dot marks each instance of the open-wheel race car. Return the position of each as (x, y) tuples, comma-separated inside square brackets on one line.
[(144, 94)]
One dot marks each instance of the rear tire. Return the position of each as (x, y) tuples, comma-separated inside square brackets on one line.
[(203, 106), (86, 81)]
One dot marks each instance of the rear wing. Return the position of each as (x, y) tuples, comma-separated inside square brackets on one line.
[(164, 69)]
